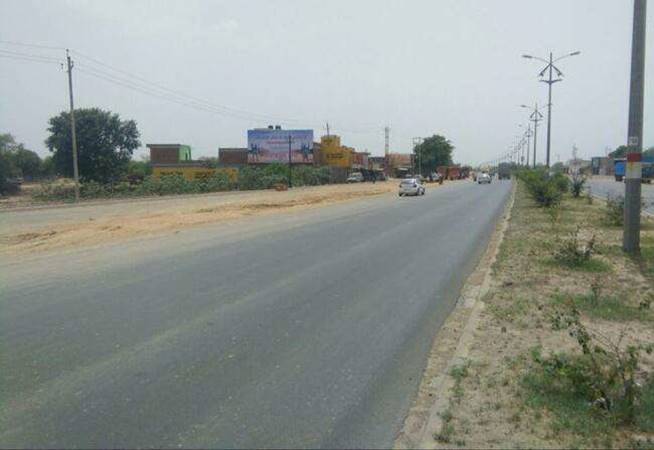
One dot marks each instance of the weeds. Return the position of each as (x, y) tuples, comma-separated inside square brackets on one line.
[(571, 252), (605, 374), (577, 185)]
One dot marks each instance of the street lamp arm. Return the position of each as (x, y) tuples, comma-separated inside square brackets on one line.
[(536, 57), (567, 56)]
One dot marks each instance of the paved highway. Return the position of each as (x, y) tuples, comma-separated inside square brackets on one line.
[(302, 329), (608, 186)]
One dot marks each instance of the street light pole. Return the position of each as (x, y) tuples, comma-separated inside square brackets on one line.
[(633, 172), (550, 68), (290, 161)]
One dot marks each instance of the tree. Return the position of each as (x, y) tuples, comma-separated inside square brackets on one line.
[(620, 152), (104, 144), (434, 151), (649, 153), (27, 162)]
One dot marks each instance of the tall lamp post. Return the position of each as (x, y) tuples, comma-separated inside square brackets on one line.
[(535, 117), (550, 80)]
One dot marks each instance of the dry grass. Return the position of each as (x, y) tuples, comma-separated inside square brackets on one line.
[(132, 222), (492, 408)]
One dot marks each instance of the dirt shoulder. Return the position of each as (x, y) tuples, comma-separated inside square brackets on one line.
[(56, 228), (504, 374)]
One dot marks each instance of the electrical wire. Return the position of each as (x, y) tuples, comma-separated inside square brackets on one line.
[(29, 55), (226, 109), (23, 58), (23, 44)]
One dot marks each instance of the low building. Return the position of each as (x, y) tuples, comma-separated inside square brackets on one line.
[(233, 156), (601, 165), (169, 153)]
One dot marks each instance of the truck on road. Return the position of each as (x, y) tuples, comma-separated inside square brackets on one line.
[(504, 171), (620, 166)]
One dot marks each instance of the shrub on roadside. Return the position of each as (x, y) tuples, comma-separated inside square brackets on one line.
[(547, 190), (577, 185), (571, 252), (614, 211), (607, 374)]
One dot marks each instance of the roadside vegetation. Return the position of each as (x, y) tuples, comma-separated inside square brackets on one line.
[(563, 355)]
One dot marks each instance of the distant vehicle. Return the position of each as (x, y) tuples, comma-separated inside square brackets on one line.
[(435, 176), (504, 171), (411, 186), (647, 173), (484, 178), (356, 177), (619, 166)]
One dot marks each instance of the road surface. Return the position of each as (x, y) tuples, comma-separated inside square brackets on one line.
[(302, 329), (602, 187)]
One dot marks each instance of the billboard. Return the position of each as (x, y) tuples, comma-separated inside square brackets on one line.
[(268, 146)]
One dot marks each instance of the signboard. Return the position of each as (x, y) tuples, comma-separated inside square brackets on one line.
[(268, 146)]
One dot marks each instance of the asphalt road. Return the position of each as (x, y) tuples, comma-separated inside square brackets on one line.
[(305, 329), (602, 187)]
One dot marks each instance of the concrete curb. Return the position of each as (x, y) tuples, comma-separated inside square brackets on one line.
[(422, 423)]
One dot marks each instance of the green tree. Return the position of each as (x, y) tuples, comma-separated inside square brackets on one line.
[(620, 152), (434, 151), (139, 168), (104, 144), (7, 168), (27, 162)]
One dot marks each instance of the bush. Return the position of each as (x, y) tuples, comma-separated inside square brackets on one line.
[(54, 191), (577, 185), (605, 374), (547, 190), (571, 252)]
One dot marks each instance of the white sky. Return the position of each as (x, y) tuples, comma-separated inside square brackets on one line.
[(435, 66)]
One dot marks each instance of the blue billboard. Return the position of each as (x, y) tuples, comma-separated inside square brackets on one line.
[(268, 146)]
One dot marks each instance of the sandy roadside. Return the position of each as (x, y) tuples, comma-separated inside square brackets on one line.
[(50, 229)]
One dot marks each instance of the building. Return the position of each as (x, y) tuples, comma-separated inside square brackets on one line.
[(601, 165), (332, 153), (169, 153), (232, 156)]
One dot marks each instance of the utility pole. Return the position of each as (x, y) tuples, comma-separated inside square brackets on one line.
[(327, 129), (549, 82), (290, 161), (72, 124), (631, 232), (535, 117), (550, 68), (387, 162), (528, 134), (416, 142)]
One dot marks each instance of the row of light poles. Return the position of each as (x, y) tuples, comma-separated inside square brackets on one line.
[(550, 69)]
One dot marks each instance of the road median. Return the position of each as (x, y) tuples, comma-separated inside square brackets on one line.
[(556, 352)]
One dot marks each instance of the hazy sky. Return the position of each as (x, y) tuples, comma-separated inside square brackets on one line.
[(435, 66)]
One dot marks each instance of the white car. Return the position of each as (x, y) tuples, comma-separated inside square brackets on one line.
[(356, 177), (411, 186), (483, 178)]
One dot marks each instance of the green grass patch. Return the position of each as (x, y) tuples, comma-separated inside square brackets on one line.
[(606, 308), (647, 255), (509, 309), (591, 265)]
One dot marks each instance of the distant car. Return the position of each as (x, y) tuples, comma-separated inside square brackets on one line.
[(484, 178), (411, 186), (356, 177), (435, 176)]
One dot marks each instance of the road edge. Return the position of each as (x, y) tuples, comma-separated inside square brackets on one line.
[(450, 347)]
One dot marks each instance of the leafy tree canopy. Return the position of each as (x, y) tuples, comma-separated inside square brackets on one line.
[(104, 144), (620, 152), (434, 151)]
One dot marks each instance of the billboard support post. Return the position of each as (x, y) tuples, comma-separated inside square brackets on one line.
[(290, 161)]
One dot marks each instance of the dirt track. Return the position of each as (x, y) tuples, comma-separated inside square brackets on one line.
[(36, 230)]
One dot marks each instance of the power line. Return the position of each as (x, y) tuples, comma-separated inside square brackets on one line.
[(29, 55), (227, 109), (23, 44), (24, 58)]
